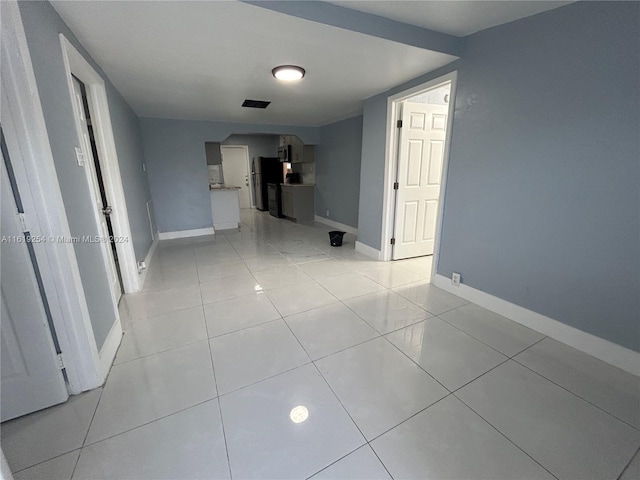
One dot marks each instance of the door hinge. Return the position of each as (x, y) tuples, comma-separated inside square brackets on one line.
[(393, 241), (23, 222), (396, 185), (60, 362), (399, 124)]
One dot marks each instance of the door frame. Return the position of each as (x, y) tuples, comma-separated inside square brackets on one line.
[(252, 200), (391, 162), (36, 177), (76, 65)]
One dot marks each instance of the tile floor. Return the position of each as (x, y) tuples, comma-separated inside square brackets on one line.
[(266, 353)]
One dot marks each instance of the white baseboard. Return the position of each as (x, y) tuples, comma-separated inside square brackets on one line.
[(147, 260), (334, 224), (109, 349), (600, 348), (225, 226), (368, 251), (186, 233)]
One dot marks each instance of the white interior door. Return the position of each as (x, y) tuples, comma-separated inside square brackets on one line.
[(94, 186), (420, 161), (31, 378), (235, 171)]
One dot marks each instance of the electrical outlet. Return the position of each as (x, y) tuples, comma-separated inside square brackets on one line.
[(455, 279)]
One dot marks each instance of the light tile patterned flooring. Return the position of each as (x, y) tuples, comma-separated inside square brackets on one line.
[(398, 378)]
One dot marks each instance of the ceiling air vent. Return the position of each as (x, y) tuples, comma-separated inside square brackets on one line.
[(255, 103)]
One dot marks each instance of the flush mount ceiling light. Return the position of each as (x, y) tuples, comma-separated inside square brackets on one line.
[(288, 73)]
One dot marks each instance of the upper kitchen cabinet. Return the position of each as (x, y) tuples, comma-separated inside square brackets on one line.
[(286, 140), (300, 153)]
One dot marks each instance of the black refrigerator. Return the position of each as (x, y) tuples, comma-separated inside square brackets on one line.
[(265, 170)]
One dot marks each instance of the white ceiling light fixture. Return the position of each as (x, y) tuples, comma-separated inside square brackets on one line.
[(299, 414), (288, 73)]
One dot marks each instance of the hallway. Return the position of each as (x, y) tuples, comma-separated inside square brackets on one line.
[(267, 353)]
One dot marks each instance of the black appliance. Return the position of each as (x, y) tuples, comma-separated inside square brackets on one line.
[(274, 193), (284, 153), (264, 170)]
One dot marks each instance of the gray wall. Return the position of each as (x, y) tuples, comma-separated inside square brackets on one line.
[(177, 167), (42, 26), (338, 171), (542, 198)]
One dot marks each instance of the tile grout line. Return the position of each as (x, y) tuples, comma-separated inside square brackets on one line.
[(215, 382), (149, 317), (190, 342), (339, 401), (336, 461), (149, 422), (84, 440), (572, 392), (485, 343), (367, 442), (410, 417), (415, 363), (395, 329), (263, 379), (493, 368), (349, 347), (505, 436), (619, 477), (79, 449)]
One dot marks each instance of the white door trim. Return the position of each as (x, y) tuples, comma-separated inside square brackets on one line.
[(76, 64), (252, 200), (36, 177), (393, 115)]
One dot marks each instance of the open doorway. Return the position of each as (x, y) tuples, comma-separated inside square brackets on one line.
[(419, 132), (90, 151), (88, 98), (91, 109)]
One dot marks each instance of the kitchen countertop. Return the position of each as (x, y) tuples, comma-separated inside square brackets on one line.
[(298, 184), (220, 186)]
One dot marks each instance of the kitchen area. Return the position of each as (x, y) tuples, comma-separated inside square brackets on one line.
[(272, 173)]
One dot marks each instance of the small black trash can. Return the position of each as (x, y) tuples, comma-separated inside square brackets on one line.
[(335, 238)]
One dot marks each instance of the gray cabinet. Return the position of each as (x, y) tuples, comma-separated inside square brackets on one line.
[(300, 153), (286, 139), (303, 153), (287, 203), (298, 202)]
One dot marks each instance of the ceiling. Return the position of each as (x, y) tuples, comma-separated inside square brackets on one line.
[(459, 17), (200, 60)]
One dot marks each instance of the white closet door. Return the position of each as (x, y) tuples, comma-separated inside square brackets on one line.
[(31, 377), (420, 162)]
